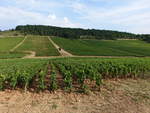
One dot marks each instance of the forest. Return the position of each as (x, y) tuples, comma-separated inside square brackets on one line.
[(146, 37), (75, 33)]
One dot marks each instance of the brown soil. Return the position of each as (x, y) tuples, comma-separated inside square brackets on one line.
[(122, 96), (30, 54)]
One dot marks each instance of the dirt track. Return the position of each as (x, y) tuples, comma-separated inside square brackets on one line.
[(31, 54), (62, 51), (74, 56)]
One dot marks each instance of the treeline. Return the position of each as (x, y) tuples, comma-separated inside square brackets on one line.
[(145, 37), (78, 33), (75, 33)]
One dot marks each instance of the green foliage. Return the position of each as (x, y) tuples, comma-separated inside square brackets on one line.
[(85, 89), (96, 69), (42, 75), (14, 78), (73, 32), (2, 79), (145, 37), (68, 80), (25, 79), (21, 72), (67, 76), (98, 79), (53, 84)]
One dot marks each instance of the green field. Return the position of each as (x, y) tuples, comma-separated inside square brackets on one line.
[(104, 47), (10, 33), (6, 44), (41, 45)]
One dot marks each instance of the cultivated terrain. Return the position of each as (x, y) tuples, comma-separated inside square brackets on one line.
[(45, 71)]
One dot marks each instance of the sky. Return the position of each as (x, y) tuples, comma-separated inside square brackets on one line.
[(121, 15)]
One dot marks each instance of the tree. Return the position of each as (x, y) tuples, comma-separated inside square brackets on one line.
[(74, 33)]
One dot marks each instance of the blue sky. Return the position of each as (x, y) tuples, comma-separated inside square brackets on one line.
[(123, 15)]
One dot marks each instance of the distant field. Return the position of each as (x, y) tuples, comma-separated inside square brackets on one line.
[(10, 33), (41, 45), (104, 47), (6, 44), (8, 55)]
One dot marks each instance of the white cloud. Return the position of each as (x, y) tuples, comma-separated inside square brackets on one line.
[(66, 20), (77, 6), (52, 16), (129, 16), (11, 16), (126, 15), (24, 1)]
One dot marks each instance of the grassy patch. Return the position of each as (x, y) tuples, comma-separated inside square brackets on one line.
[(9, 55), (10, 33), (6, 44), (104, 47), (41, 45)]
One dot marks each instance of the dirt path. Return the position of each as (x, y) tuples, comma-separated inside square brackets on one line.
[(13, 49), (31, 54), (42, 57), (62, 51)]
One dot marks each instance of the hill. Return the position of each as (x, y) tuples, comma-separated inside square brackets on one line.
[(74, 33), (10, 33), (18, 47), (104, 47)]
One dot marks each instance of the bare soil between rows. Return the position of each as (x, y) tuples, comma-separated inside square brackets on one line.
[(121, 96)]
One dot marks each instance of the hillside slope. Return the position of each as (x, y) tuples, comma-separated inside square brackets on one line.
[(104, 47)]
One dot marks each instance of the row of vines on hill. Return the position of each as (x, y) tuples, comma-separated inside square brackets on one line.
[(81, 73), (96, 70), (20, 75)]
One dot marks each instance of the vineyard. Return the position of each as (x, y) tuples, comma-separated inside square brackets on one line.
[(40, 45), (6, 44), (68, 73), (75, 56), (19, 47), (104, 47)]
